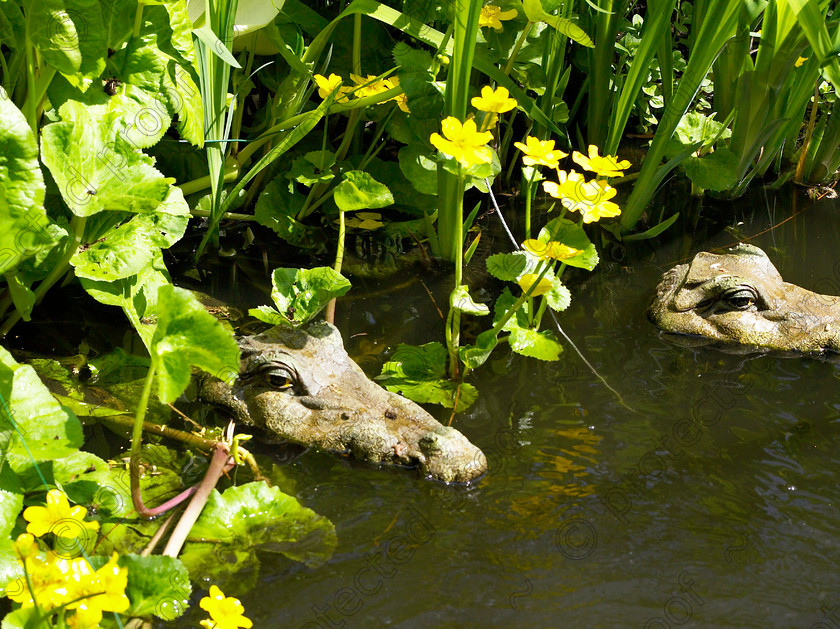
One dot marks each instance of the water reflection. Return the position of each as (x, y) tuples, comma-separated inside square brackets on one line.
[(710, 500)]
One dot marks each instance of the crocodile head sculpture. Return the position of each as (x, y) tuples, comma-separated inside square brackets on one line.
[(740, 298), (300, 386)]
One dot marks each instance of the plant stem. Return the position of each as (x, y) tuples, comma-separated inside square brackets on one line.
[(142, 405), (199, 499)]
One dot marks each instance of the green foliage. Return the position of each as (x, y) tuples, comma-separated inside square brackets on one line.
[(419, 373), (186, 336), (300, 294)]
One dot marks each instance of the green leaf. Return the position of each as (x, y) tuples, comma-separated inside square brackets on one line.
[(523, 340), (23, 220), (536, 13), (360, 191), (473, 356), (38, 427), (655, 230), (461, 301), (695, 128), (540, 344), (558, 297), (507, 266), (215, 45), (300, 294), (419, 373), (256, 516), (267, 314), (11, 504), (70, 36), (127, 249), (136, 295), (419, 167), (715, 171), (314, 167), (22, 296), (277, 209), (187, 335), (94, 169), (23, 618), (571, 234)]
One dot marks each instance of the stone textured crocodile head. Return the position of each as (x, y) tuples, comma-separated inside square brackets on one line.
[(299, 385), (740, 297)]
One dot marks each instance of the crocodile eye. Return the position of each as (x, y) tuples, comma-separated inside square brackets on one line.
[(741, 298), (279, 381), (281, 378)]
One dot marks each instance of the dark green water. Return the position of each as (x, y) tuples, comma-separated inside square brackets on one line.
[(709, 499)]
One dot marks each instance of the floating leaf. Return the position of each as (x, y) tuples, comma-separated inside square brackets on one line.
[(419, 373), (252, 518)]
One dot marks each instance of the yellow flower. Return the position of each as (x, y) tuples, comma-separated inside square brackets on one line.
[(370, 85), (590, 198), (26, 546), (327, 85), (365, 220), (492, 15), (463, 142), (606, 166), (401, 99), (540, 152), (226, 613), (555, 250), (800, 61), (497, 102), (58, 518), (112, 581), (528, 279)]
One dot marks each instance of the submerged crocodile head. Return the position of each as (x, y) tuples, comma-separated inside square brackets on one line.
[(301, 386), (740, 297)]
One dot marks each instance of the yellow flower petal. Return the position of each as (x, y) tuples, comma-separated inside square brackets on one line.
[(493, 16), (226, 612), (537, 152), (463, 142), (496, 101), (57, 517), (606, 166), (590, 198), (553, 249), (528, 279)]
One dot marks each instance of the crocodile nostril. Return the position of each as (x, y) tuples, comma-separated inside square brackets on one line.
[(390, 413)]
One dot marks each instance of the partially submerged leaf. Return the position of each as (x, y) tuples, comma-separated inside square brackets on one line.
[(418, 373), (249, 518)]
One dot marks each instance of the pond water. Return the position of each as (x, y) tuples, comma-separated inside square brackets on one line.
[(708, 498)]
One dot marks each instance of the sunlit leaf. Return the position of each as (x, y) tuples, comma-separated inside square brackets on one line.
[(186, 336), (418, 373), (32, 423), (300, 294), (360, 191)]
